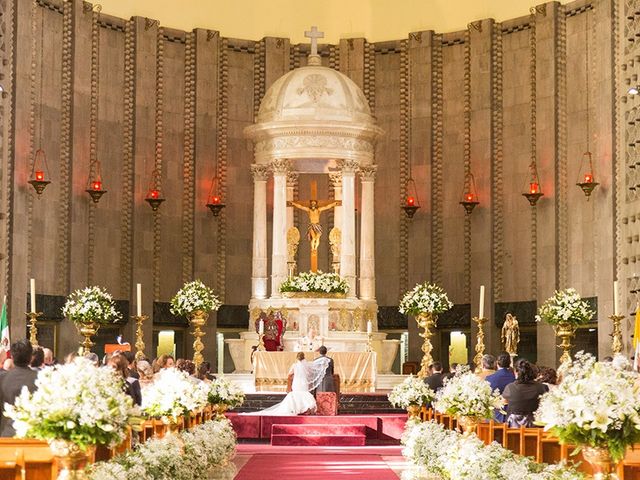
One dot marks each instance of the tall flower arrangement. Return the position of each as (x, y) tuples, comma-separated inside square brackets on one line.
[(173, 394), (194, 296), (596, 404), (565, 306), (425, 298), (467, 395), (317, 282), (77, 402), (411, 392), (222, 391), (91, 305)]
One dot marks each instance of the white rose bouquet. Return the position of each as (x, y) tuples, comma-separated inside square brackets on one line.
[(222, 391), (318, 282), (77, 402), (173, 393), (425, 298), (412, 391), (194, 296), (596, 404), (565, 306), (91, 304), (467, 395)]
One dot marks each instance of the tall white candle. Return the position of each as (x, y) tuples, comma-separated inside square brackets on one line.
[(481, 309), (139, 299), (615, 298), (261, 327), (33, 295), (369, 326)]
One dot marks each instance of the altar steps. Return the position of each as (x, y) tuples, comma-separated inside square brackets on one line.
[(308, 435), (350, 403)]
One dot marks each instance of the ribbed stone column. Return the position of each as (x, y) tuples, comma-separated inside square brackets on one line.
[(279, 240), (348, 248), (367, 238), (336, 181), (292, 179), (259, 265)]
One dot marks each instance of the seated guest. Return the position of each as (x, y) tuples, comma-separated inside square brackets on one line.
[(452, 369), (186, 366), (435, 381), (204, 372), (48, 357), (547, 376), (499, 380), (131, 385), (11, 382), (133, 369), (162, 362), (145, 373), (488, 366), (37, 359), (523, 396), (7, 364)]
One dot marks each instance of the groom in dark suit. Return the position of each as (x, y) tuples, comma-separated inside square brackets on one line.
[(326, 385), (11, 382)]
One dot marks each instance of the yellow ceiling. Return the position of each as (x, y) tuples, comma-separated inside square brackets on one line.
[(376, 20)]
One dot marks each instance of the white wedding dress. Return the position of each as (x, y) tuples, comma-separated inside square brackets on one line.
[(299, 400)]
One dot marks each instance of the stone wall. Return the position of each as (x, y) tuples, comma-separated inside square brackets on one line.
[(211, 89)]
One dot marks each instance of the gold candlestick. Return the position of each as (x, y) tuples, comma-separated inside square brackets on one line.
[(565, 331), (427, 321), (140, 319), (480, 321), (261, 346), (198, 320), (616, 334), (33, 329)]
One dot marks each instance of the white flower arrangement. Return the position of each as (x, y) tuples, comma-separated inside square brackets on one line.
[(91, 304), (412, 391), (596, 404), (425, 298), (222, 391), (467, 395), (565, 306), (194, 296), (78, 402), (318, 282), (199, 454), (436, 452), (174, 393)]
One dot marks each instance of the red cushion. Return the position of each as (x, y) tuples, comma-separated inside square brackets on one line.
[(327, 403)]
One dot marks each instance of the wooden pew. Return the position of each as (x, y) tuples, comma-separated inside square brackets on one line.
[(26, 460)]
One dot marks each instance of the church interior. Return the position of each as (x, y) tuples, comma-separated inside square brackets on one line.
[(488, 147)]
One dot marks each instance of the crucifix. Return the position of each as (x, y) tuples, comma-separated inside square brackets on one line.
[(314, 35), (314, 231)]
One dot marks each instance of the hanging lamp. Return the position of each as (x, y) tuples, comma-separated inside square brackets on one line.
[(412, 203), (469, 194), (214, 199)]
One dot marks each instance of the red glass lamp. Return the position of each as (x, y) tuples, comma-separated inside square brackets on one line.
[(533, 190), (95, 187), (154, 194), (411, 204), (469, 194), (214, 199), (586, 177), (39, 172)]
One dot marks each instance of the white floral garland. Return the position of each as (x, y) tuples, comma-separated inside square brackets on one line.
[(201, 453), (436, 452), (318, 282), (412, 391)]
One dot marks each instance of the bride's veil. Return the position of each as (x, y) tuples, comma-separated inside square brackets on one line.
[(316, 371)]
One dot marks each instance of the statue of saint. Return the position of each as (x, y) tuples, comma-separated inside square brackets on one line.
[(510, 334), (314, 230)]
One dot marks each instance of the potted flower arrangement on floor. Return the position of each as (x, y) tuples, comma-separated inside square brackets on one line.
[(597, 408), (224, 395), (425, 301), (89, 308), (565, 311), (315, 284), (195, 301), (411, 394), (75, 407), (469, 398)]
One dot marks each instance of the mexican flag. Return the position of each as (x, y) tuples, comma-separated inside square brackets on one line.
[(5, 342)]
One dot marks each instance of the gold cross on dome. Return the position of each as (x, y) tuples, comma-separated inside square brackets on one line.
[(314, 35)]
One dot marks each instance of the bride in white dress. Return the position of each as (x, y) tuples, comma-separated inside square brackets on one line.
[(306, 376)]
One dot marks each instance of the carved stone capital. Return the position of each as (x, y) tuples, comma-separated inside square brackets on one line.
[(336, 179), (260, 172), (280, 166), (348, 166), (368, 173), (292, 178)]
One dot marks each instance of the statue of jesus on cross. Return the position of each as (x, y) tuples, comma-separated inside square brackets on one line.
[(314, 230)]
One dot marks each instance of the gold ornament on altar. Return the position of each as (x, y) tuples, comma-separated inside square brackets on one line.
[(469, 425), (427, 321), (510, 335), (565, 331), (140, 319), (88, 330), (71, 459), (480, 342), (616, 334), (198, 319)]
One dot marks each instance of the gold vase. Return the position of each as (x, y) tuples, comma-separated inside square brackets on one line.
[(469, 425), (219, 409), (88, 330), (413, 411), (71, 459), (427, 321), (565, 331), (600, 460), (198, 319)]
